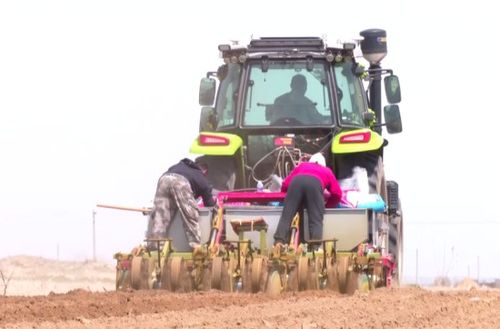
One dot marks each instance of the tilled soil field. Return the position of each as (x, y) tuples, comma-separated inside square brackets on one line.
[(407, 307)]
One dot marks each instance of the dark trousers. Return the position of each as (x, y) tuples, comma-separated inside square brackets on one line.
[(303, 192)]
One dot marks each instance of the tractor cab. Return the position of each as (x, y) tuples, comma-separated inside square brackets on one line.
[(277, 101)]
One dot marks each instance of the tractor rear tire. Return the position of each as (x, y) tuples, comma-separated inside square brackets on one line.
[(396, 244), (378, 185), (376, 180), (221, 171)]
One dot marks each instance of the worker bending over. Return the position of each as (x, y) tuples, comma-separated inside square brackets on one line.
[(177, 189), (305, 188)]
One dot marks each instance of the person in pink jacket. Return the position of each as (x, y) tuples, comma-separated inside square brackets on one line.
[(305, 188)]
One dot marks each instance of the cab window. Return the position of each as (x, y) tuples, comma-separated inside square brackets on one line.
[(289, 93)]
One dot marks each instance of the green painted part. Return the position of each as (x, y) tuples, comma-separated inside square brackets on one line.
[(376, 141), (235, 143), (184, 255), (373, 255), (153, 255), (263, 242)]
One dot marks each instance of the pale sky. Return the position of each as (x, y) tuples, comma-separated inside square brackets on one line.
[(98, 98)]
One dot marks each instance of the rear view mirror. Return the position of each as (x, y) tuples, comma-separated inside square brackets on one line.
[(392, 117), (392, 89), (207, 119), (207, 92)]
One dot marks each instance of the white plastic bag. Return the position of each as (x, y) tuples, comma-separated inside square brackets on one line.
[(276, 182), (358, 181), (356, 192)]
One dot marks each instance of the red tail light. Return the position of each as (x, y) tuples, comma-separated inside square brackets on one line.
[(213, 140), (363, 137)]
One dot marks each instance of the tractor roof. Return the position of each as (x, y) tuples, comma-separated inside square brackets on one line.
[(286, 44), (278, 47)]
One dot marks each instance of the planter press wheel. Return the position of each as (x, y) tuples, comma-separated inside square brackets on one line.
[(165, 274), (378, 277), (332, 275), (257, 274), (178, 277), (227, 278), (136, 279), (206, 280), (303, 273), (353, 282), (118, 279), (274, 283), (362, 282), (240, 284), (342, 273), (122, 278), (216, 279), (317, 282), (148, 269), (247, 275), (292, 279)]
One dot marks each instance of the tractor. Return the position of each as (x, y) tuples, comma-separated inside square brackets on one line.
[(272, 103)]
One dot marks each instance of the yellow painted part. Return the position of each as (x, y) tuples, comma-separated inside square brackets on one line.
[(376, 141), (235, 143), (295, 221)]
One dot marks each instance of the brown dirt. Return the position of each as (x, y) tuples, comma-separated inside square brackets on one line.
[(408, 307)]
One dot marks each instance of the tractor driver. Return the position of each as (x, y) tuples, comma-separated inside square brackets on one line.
[(177, 189), (294, 107)]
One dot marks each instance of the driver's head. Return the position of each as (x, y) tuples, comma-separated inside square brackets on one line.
[(298, 84)]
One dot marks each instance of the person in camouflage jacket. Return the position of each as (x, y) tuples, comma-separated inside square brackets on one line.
[(177, 190)]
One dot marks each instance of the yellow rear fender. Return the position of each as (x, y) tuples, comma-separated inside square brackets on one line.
[(214, 143), (358, 140)]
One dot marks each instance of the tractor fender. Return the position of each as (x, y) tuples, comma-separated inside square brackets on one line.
[(215, 143), (357, 140)]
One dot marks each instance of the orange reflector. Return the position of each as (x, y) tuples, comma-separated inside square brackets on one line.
[(284, 141), (213, 140), (363, 137)]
